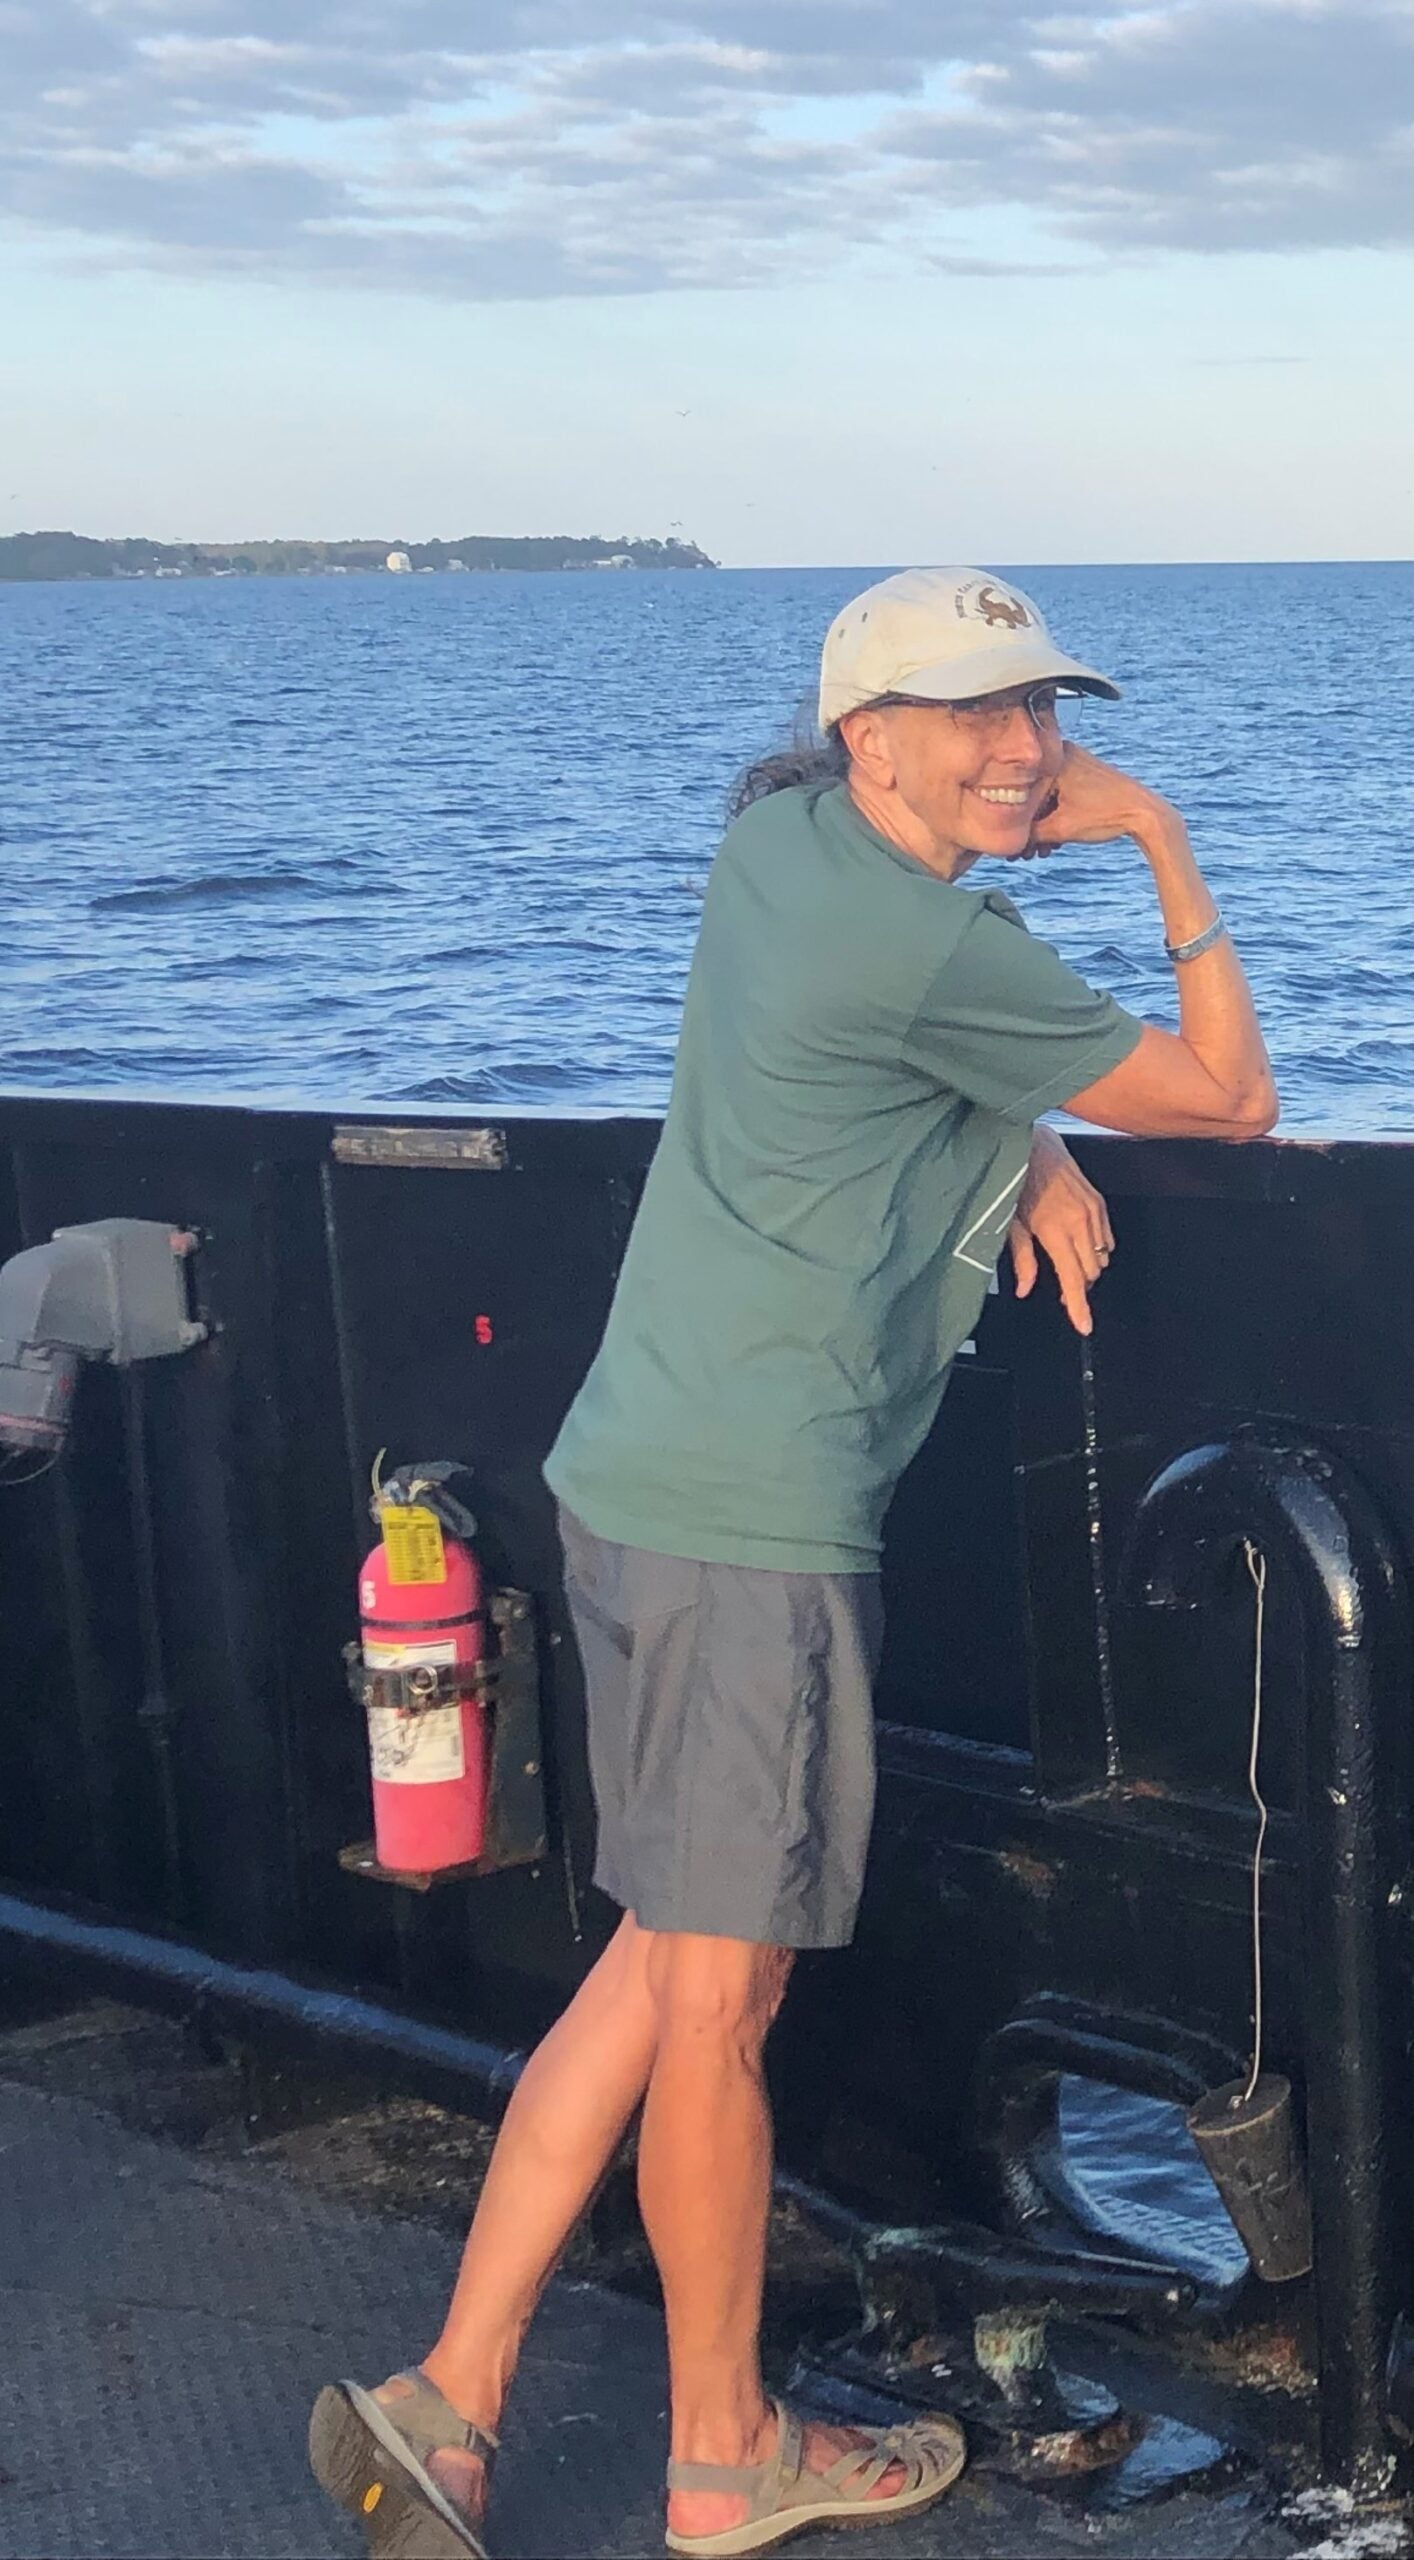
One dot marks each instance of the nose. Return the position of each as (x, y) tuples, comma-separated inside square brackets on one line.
[(1020, 735)]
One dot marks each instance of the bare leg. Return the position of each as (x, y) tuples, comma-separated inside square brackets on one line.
[(704, 2173), (571, 2107), (704, 2180)]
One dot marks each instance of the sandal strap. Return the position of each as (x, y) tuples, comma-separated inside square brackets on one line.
[(790, 2447), (924, 2450), (861, 2469), (760, 2482), (426, 2418)]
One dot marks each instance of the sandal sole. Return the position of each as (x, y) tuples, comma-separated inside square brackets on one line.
[(378, 2486), (770, 2532)]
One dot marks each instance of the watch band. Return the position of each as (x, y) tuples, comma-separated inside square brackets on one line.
[(1200, 943)]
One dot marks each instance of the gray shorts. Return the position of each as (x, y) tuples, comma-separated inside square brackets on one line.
[(731, 1739)]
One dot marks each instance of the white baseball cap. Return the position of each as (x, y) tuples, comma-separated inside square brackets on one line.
[(945, 635)]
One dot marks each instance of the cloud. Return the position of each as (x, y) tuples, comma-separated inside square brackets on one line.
[(1214, 126), (611, 146), (952, 263)]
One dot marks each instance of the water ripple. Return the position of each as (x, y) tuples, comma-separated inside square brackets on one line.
[(444, 840)]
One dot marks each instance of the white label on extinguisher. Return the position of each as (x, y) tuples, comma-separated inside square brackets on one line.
[(416, 1750), (419, 1749), (406, 1657)]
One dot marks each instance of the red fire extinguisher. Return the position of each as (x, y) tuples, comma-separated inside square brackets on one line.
[(423, 1623)]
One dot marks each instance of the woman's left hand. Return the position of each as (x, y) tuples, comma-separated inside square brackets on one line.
[(1065, 1215), (1092, 803)]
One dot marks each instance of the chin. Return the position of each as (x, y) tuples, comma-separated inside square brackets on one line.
[(1013, 851)]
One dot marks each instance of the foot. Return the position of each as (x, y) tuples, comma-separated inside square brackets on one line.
[(716, 2511), (461, 2476)]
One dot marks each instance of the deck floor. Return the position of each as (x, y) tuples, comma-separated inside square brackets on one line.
[(174, 2292)]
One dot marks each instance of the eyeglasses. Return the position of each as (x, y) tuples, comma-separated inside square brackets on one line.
[(1049, 707)]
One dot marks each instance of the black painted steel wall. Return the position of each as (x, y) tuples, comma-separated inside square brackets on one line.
[(1063, 1801)]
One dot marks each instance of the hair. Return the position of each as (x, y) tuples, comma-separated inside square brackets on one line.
[(807, 759)]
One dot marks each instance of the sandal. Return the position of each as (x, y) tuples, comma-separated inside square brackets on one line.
[(372, 2461), (787, 2499)]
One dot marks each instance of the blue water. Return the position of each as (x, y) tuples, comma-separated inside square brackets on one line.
[(1131, 2170), (443, 839)]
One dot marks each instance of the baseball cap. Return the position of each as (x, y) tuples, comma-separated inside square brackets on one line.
[(945, 635)]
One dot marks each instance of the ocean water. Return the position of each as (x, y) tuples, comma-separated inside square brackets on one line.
[(443, 839), (1130, 2171)]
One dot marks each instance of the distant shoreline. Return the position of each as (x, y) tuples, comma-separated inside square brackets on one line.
[(25, 556)]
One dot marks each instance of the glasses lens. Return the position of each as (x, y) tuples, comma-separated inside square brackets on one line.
[(1046, 705)]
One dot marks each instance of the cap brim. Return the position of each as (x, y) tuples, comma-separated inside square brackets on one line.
[(986, 671)]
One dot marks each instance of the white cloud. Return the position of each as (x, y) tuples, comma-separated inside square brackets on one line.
[(608, 146), (1216, 125)]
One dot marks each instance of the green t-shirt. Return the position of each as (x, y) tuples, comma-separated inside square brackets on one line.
[(864, 1049)]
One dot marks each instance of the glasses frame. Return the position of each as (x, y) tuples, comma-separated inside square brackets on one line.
[(1055, 690)]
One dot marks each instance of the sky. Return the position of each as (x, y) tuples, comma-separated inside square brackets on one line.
[(803, 280)]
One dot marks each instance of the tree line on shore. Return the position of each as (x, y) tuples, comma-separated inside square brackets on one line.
[(78, 555)]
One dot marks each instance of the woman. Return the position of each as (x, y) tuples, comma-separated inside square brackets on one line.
[(866, 1047)]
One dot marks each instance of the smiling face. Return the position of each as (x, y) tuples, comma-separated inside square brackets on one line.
[(949, 782)]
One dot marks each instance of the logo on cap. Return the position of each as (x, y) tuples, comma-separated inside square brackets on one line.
[(992, 606)]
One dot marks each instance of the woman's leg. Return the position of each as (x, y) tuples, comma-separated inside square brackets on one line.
[(704, 2182), (569, 2113)]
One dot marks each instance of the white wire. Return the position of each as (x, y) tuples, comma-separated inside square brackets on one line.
[(29, 1475), (1257, 1567)]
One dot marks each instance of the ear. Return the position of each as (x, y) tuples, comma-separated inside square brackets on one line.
[(866, 735)]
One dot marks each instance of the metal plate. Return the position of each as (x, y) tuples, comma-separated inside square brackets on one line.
[(453, 1150)]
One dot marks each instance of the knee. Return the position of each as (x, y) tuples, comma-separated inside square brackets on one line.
[(717, 1991)]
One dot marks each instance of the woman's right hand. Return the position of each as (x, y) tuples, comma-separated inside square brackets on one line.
[(1093, 803)]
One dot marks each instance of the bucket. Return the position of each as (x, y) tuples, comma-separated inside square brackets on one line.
[(1250, 2151)]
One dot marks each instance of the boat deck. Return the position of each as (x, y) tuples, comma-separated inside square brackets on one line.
[(176, 2287)]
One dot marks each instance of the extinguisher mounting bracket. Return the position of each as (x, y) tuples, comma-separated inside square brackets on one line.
[(426, 1685)]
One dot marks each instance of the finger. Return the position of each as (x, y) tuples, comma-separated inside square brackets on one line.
[(1101, 1232), (1097, 1207), (1023, 1260), (1073, 1291), (1088, 1256)]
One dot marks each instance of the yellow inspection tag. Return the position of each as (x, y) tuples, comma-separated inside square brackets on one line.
[(412, 1539)]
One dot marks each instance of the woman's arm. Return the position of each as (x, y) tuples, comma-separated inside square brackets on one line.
[(1212, 1079)]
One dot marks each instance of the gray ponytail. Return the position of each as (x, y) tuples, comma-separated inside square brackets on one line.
[(808, 758)]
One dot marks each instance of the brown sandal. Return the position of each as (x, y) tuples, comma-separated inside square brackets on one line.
[(785, 2498)]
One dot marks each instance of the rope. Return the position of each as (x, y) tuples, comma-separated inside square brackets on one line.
[(1257, 1567)]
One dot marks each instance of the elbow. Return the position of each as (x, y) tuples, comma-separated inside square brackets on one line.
[(1255, 1111)]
